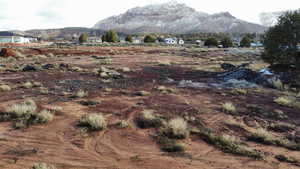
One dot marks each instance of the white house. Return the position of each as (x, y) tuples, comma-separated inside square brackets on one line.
[(171, 41)]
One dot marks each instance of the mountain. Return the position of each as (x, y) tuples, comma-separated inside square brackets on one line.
[(175, 17)]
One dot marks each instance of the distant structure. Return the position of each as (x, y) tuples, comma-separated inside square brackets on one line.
[(174, 41), (10, 37)]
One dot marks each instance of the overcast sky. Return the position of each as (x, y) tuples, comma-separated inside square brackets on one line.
[(36, 14)]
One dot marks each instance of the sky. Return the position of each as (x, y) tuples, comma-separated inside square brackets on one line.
[(42, 14)]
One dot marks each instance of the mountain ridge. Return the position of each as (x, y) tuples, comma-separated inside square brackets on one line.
[(175, 18)]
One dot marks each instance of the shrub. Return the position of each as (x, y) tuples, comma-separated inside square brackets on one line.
[(169, 145), (176, 128), (5, 88), (27, 85), (123, 124), (245, 42), (83, 38), (93, 121), (226, 42), (229, 107), (149, 39), (211, 42), (147, 119), (286, 159), (44, 116), (42, 166), (80, 94), (27, 108), (129, 39), (230, 144), (110, 36), (281, 41), (281, 127)]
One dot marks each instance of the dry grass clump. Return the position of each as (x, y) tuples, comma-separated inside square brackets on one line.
[(80, 94), (43, 166), (277, 84), (239, 91), (288, 102), (44, 116), (284, 101), (281, 127), (164, 63), (123, 124), (24, 109), (27, 85), (5, 88), (229, 107), (93, 121), (176, 128), (230, 144), (147, 119), (25, 114), (286, 159), (265, 137)]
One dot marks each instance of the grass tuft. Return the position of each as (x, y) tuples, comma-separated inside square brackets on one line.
[(229, 107), (147, 119), (93, 121)]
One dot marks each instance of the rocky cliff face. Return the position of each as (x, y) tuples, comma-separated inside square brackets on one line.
[(175, 18)]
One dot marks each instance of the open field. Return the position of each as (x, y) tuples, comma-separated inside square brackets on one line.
[(184, 127)]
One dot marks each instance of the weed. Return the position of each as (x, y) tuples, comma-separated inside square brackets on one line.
[(176, 128), (229, 107), (5, 88), (93, 121), (147, 119)]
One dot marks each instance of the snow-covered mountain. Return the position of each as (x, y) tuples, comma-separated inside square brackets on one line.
[(175, 17)]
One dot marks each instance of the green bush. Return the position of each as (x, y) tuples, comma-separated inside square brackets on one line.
[(111, 36), (245, 42), (227, 42), (149, 39), (129, 39), (281, 41), (210, 42), (83, 38)]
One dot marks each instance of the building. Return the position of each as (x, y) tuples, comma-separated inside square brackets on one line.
[(95, 39), (10, 37), (181, 42), (171, 41)]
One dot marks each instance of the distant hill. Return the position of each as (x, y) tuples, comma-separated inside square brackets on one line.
[(64, 32), (175, 17)]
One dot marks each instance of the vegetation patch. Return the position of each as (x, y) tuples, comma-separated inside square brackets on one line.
[(123, 124), (265, 137), (93, 122), (229, 144), (286, 159), (169, 145), (147, 119), (43, 166), (288, 102), (176, 129), (229, 107), (281, 127), (5, 88), (25, 114)]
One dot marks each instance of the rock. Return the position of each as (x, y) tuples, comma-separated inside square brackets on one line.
[(228, 66), (48, 66), (29, 68), (7, 52)]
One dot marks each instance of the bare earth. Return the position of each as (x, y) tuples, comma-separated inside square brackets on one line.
[(64, 145)]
